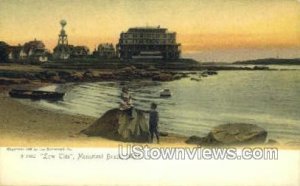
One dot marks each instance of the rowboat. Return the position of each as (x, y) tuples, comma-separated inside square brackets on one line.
[(165, 93), (36, 94)]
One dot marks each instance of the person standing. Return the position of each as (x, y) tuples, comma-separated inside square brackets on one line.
[(153, 122)]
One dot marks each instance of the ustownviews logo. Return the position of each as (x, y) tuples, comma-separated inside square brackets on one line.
[(140, 152)]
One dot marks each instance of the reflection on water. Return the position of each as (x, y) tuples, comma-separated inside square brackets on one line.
[(267, 98)]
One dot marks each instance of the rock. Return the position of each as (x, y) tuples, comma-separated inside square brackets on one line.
[(116, 124), (64, 74), (11, 74), (45, 75), (272, 142), (10, 81), (239, 133), (260, 68), (30, 76), (107, 76), (89, 75), (162, 77), (232, 134), (210, 72), (77, 76), (195, 79), (56, 79), (201, 140), (163, 134), (127, 69), (177, 76), (133, 67), (51, 73), (195, 140), (151, 68)]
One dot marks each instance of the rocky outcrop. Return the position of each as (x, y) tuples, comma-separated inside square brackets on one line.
[(163, 77), (11, 81), (127, 73), (117, 125), (232, 134)]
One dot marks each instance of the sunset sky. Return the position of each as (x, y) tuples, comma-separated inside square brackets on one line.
[(201, 25)]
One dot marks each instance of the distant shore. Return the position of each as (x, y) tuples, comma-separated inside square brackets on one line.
[(82, 71)]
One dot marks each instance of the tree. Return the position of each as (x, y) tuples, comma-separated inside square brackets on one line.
[(3, 52)]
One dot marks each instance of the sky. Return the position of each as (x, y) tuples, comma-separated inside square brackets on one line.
[(214, 30)]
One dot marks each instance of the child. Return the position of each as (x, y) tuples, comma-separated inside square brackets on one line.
[(153, 122), (126, 103)]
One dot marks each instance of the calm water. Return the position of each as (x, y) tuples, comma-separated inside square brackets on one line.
[(270, 99)]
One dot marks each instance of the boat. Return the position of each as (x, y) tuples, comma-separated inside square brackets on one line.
[(36, 94), (165, 93)]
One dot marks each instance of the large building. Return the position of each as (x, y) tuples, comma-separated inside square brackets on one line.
[(148, 42)]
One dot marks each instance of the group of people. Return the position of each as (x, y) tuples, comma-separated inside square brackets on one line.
[(126, 105)]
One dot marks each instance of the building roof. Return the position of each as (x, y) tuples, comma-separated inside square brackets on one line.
[(106, 46), (147, 28), (35, 44)]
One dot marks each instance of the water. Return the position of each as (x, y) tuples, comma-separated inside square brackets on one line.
[(267, 98)]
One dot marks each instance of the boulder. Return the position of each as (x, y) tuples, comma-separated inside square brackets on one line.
[(64, 74), (207, 140), (272, 142), (232, 134), (30, 76), (56, 79), (163, 134), (239, 134), (77, 76), (89, 75), (116, 124), (107, 76), (163, 77), (177, 76)]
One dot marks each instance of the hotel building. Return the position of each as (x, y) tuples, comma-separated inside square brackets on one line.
[(148, 43)]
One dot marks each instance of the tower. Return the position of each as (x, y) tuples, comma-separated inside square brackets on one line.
[(63, 37), (62, 50)]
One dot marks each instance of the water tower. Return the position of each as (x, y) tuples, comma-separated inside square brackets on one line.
[(62, 50), (63, 37)]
